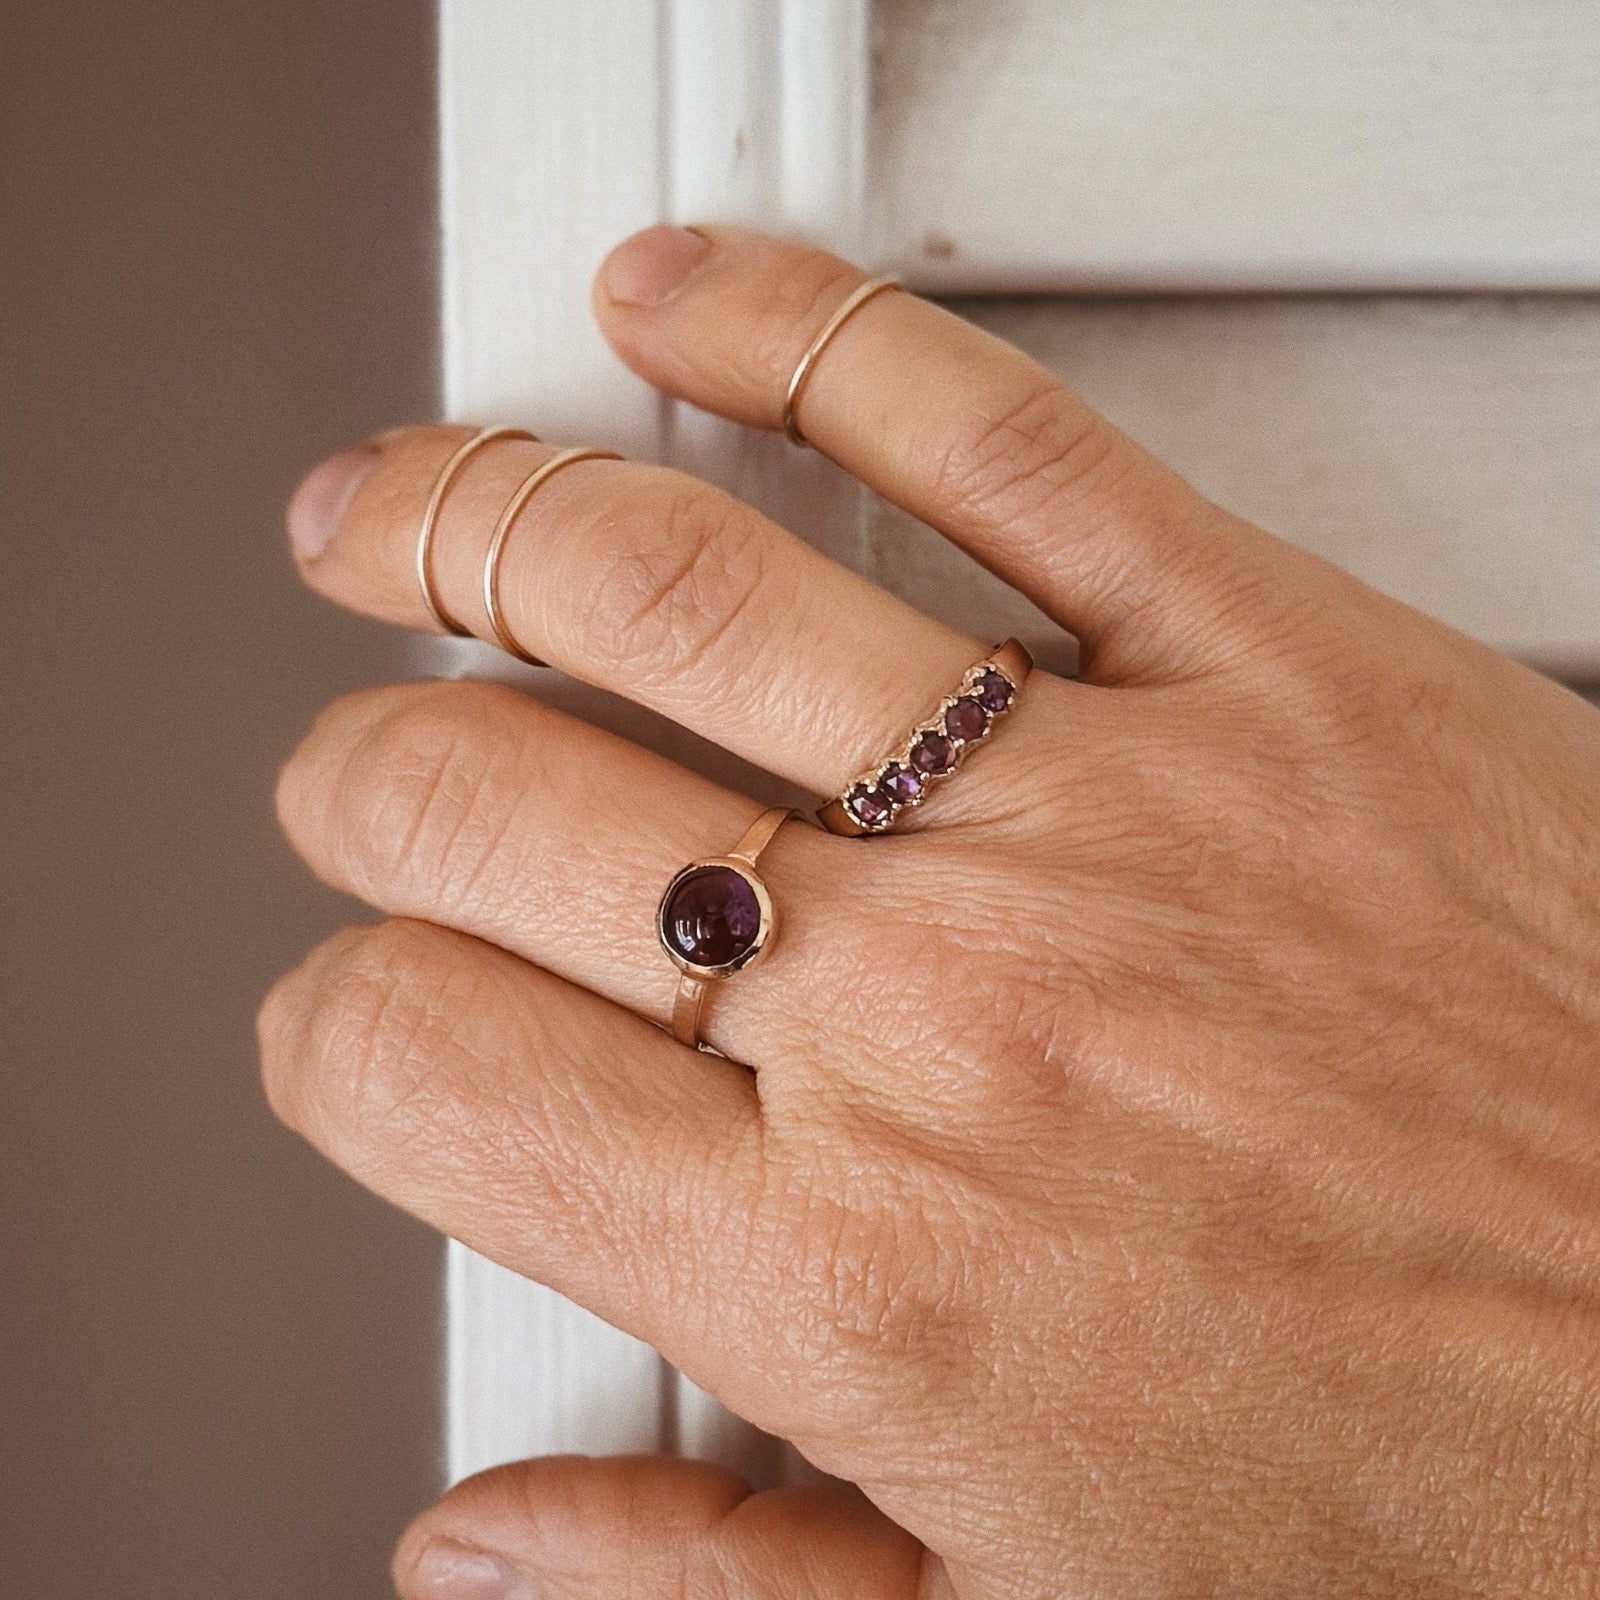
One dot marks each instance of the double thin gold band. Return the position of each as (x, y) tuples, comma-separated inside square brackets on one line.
[(448, 474), (808, 362), (503, 635), (688, 1006)]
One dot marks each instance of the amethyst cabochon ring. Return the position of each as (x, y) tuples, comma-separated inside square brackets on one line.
[(715, 918), (934, 749)]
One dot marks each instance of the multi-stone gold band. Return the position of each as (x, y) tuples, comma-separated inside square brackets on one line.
[(688, 1005), (808, 362), (503, 635), (448, 474), (934, 749)]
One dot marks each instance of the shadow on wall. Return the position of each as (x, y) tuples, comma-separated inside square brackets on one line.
[(219, 1369)]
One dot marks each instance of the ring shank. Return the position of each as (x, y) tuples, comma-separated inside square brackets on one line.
[(447, 475), (808, 362), (498, 626), (687, 1005)]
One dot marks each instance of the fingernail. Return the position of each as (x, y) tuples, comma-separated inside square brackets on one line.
[(449, 1571), (651, 266), (319, 504)]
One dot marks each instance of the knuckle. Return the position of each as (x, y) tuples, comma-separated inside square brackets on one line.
[(682, 573), (1032, 456), (873, 1288), (346, 1040), (874, 1315), (425, 794)]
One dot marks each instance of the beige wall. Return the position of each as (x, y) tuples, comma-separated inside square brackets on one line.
[(217, 1358)]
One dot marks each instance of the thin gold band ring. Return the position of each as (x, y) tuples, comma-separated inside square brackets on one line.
[(808, 362), (503, 635), (715, 919), (448, 474)]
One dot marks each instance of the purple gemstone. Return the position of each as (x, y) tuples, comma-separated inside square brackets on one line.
[(994, 692), (901, 784), (869, 806), (711, 916), (966, 720), (933, 753)]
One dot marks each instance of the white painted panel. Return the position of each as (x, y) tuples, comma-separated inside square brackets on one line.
[(549, 119), (563, 129), (1442, 449), (1124, 145)]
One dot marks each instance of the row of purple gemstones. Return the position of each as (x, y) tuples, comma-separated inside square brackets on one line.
[(934, 749)]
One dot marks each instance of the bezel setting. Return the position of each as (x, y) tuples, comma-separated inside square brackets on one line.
[(764, 930)]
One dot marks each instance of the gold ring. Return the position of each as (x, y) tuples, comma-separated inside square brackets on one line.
[(430, 521), (933, 749), (716, 919), (808, 362), (503, 635)]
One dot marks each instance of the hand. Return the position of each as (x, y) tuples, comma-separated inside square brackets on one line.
[(1165, 1168)]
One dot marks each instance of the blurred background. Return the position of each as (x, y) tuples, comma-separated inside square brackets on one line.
[(218, 1357)]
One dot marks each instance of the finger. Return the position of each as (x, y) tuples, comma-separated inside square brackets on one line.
[(651, 584), (569, 1528), (470, 805), (956, 426), (543, 1126)]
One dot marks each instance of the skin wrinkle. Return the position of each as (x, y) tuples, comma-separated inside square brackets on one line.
[(651, 604), (410, 757), (1166, 1170), (1019, 465), (387, 1076), (368, 1066), (518, 772), (467, 805)]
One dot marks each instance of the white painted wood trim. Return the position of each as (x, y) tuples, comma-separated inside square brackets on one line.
[(1119, 146), (562, 129)]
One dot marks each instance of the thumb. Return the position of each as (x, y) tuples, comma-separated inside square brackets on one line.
[(639, 1527)]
